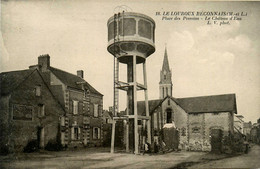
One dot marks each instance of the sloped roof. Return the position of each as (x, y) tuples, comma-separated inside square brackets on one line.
[(71, 80), (214, 103), (108, 113), (152, 105), (10, 80)]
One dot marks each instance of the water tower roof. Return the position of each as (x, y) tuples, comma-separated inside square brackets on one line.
[(132, 14)]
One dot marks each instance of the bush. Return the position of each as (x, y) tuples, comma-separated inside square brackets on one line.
[(4, 150), (53, 145), (32, 146)]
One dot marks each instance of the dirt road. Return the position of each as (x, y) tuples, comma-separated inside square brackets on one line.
[(95, 159), (250, 160)]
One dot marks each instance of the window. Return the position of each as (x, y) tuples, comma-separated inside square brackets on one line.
[(169, 102), (195, 129), (75, 133), (41, 111), (164, 77), (183, 131), (163, 92), (86, 93), (75, 107), (166, 91), (95, 110), (62, 121), (96, 133), (38, 90)]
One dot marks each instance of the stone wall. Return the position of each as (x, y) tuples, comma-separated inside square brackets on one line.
[(24, 117), (200, 126)]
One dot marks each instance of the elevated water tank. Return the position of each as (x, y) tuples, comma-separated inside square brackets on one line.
[(131, 34)]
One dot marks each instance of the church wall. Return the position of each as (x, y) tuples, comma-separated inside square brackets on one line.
[(179, 116)]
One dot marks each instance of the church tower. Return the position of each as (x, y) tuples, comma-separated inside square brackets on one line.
[(165, 85)]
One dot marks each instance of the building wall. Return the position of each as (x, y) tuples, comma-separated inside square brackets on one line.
[(24, 114), (4, 118), (96, 121), (84, 121), (200, 127), (179, 117), (238, 124)]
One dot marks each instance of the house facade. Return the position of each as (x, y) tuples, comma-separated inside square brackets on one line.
[(83, 104), (44, 103), (29, 111)]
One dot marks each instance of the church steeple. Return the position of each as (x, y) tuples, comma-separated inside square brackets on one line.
[(165, 85), (165, 61)]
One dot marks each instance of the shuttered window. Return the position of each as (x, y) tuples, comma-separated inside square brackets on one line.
[(95, 110), (96, 133), (75, 107)]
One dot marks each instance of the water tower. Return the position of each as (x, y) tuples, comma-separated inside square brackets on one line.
[(131, 41)]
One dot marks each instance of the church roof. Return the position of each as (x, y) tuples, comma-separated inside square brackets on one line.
[(165, 62), (152, 105), (204, 104), (201, 104)]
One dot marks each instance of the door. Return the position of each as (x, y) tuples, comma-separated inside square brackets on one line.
[(40, 137), (216, 138)]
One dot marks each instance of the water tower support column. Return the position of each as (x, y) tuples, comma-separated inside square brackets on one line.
[(146, 104), (135, 107)]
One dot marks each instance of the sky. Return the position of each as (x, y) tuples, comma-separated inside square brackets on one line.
[(204, 59)]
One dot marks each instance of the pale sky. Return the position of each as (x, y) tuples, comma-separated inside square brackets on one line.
[(205, 60)]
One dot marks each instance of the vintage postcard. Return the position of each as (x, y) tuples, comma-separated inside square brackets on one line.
[(129, 84)]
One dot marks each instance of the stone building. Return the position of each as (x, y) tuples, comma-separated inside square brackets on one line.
[(255, 132), (65, 99), (83, 104), (29, 110), (247, 126), (201, 121)]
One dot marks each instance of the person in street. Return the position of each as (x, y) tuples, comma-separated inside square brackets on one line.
[(146, 148), (156, 147), (163, 146)]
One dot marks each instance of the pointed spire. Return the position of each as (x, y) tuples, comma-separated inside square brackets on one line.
[(165, 61)]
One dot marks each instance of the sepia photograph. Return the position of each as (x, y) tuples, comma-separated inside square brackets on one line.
[(129, 84)]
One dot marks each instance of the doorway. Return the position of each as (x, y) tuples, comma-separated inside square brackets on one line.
[(216, 137), (169, 116)]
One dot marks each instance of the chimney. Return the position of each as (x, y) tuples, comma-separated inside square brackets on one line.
[(44, 62), (80, 73)]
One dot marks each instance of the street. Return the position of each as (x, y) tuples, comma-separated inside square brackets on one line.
[(101, 158), (250, 160)]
